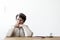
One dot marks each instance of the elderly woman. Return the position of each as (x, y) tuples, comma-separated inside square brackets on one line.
[(20, 30)]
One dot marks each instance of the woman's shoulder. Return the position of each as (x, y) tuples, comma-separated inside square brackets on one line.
[(25, 25), (12, 26)]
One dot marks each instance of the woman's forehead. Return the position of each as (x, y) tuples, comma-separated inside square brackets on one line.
[(19, 18)]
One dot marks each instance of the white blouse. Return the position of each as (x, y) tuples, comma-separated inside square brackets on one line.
[(19, 32), (24, 31)]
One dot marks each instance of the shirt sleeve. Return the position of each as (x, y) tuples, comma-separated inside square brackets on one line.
[(29, 32), (10, 32)]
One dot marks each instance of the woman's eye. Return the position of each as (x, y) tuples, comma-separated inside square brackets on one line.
[(18, 19)]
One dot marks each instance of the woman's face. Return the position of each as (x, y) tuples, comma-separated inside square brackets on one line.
[(20, 20)]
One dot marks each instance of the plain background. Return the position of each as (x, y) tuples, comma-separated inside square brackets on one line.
[(43, 16)]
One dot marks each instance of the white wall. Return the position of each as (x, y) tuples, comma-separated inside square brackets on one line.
[(43, 16)]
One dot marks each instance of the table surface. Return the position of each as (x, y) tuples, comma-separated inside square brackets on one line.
[(32, 38)]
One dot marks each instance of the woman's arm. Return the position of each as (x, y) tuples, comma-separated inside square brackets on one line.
[(10, 32), (29, 32)]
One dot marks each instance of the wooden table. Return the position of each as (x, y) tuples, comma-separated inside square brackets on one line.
[(32, 38)]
